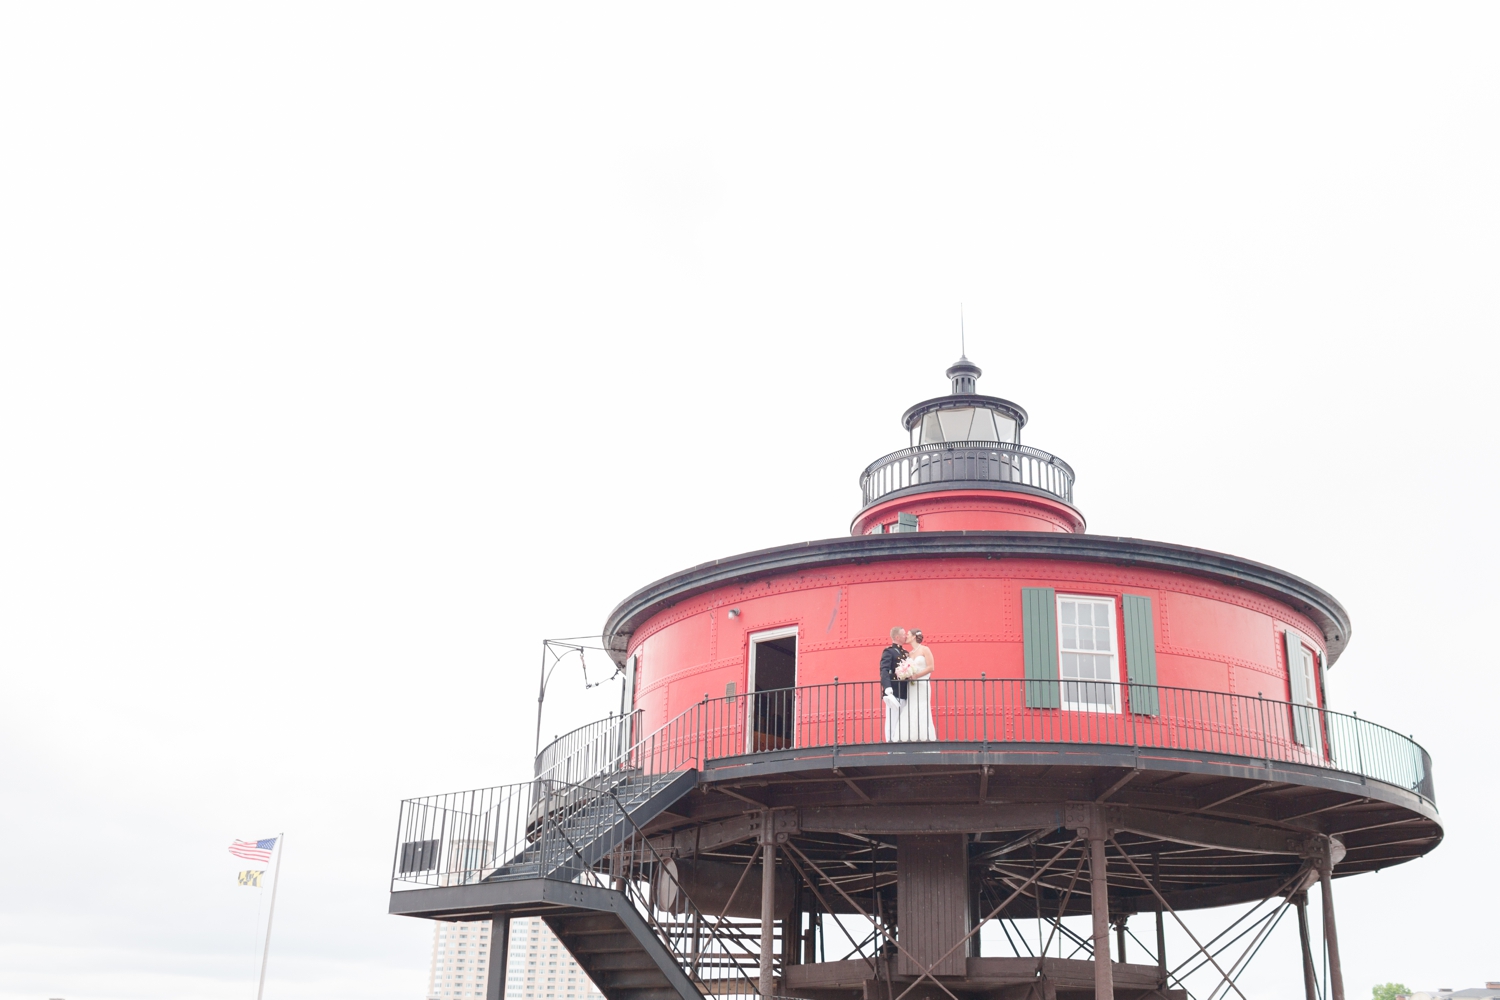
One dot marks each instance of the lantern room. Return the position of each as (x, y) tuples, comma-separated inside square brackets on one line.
[(966, 470), (963, 415)]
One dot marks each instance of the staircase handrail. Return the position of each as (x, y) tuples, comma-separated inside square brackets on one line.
[(637, 751), (648, 908), (531, 830)]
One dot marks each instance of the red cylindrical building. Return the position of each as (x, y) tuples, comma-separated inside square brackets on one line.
[(1110, 727), (964, 538)]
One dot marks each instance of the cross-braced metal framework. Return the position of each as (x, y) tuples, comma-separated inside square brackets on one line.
[(917, 871), (1041, 846)]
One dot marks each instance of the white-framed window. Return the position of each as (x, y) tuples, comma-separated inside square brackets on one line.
[(1302, 680), (1305, 663), (1087, 656)]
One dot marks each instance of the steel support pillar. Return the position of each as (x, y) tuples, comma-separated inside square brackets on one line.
[(1309, 977), (494, 983), (767, 913), (1104, 979), (697, 954), (810, 936), (1120, 938), (1161, 926), (1330, 931)]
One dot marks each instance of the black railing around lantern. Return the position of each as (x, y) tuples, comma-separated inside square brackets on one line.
[(987, 463)]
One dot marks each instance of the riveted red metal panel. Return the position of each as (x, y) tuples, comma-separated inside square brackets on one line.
[(1210, 636), (974, 510)]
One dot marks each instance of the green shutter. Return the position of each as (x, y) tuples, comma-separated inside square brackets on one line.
[(1140, 654), (1318, 663), (1039, 629), (906, 522), (1302, 718)]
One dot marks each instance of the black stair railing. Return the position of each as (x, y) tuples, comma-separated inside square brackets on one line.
[(577, 833), (588, 750)]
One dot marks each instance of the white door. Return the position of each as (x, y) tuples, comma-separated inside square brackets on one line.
[(771, 705)]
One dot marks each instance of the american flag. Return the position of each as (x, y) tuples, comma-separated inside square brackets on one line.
[(253, 850)]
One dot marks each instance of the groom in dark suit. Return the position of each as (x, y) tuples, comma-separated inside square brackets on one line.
[(890, 658)]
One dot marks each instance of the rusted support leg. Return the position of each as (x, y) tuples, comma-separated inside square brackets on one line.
[(1331, 932), (1161, 926), (1309, 978), (767, 913), (494, 985), (1104, 979), (810, 937)]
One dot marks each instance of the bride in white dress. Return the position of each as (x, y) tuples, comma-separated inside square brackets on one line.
[(915, 721)]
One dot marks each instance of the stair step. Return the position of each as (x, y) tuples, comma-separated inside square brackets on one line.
[(588, 934), (647, 993), (619, 960), (598, 944), (587, 923), (630, 978)]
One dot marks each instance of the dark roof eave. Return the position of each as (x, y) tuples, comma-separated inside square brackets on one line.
[(1309, 599), (958, 401)]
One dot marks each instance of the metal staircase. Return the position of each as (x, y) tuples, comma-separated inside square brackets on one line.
[(621, 955), (579, 825), (575, 855)]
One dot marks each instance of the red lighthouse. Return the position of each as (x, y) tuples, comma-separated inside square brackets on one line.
[(1067, 725)]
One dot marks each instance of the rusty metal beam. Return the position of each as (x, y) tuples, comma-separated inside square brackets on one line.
[(1198, 899), (1136, 868), (856, 789), (1222, 800), (958, 817), (1319, 804), (1204, 832), (1331, 932), (1128, 777), (736, 795), (1376, 821)]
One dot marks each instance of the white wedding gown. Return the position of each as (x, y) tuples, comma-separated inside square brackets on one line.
[(912, 722)]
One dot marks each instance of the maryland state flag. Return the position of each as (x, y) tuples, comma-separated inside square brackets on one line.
[(251, 878)]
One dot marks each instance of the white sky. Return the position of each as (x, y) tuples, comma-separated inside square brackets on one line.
[(348, 351)]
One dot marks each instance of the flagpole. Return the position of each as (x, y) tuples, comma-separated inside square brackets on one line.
[(270, 915)]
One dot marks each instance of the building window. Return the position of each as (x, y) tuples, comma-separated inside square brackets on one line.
[(1086, 648), (1302, 678), (1305, 659)]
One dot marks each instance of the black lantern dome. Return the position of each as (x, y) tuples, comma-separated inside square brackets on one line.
[(963, 414)]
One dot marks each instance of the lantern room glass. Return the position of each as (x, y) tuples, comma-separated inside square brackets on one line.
[(963, 424)]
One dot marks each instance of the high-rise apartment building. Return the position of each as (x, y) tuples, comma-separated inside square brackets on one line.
[(538, 967)]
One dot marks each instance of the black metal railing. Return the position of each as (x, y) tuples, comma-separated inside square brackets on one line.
[(967, 462), (585, 831), (575, 833), (587, 750), (1004, 711)]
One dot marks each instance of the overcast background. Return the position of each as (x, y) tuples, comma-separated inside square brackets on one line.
[(350, 351)]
